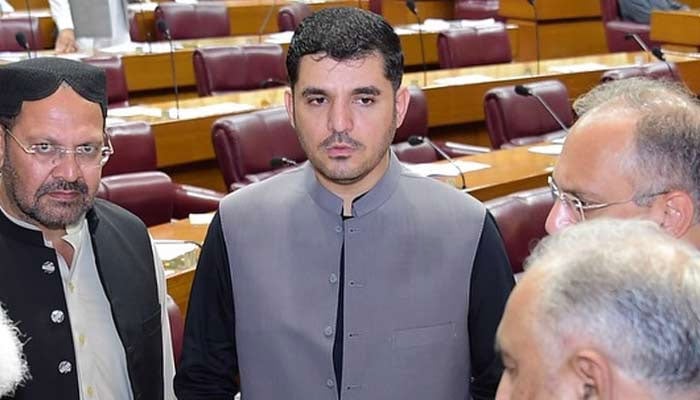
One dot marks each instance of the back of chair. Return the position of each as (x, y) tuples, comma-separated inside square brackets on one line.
[(191, 21), (117, 92), (414, 124), (245, 145), (520, 218), (655, 70), (290, 16), (10, 26), (134, 149), (177, 328), (220, 70), (512, 119), (149, 195), (471, 46), (609, 10), (375, 6)]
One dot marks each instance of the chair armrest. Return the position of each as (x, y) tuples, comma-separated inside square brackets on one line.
[(191, 199)]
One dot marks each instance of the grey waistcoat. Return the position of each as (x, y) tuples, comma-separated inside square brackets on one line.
[(91, 17), (409, 250)]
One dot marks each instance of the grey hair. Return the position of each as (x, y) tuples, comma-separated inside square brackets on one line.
[(632, 291), (665, 151)]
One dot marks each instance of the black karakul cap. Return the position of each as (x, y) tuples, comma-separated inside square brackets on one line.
[(38, 78)]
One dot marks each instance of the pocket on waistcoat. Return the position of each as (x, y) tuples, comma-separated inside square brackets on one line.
[(424, 335)]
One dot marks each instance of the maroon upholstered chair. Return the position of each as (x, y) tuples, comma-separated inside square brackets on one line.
[(246, 144), (291, 15), (177, 327), (10, 26), (220, 70), (375, 6), (655, 70), (476, 9), (520, 218), (135, 153), (191, 21), (616, 29), (117, 92), (514, 120), (414, 124), (149, 195), (470, 46)]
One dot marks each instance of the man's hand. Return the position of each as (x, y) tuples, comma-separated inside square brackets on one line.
[(65, 42)]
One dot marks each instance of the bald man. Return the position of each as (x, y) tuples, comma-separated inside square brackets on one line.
[(634, 153), (609, 309)]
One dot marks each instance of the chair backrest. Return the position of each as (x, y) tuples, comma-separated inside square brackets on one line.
[(520, 218), (415, 123), (177, 328), (219, 70), (609, 10), (149, 195), (510, 117), (290, 16), (476, 9), (191, 21), (471, 46), (245, 144), (375, 6), (134, 149), (10, 26), (117, 92), (655, 70)]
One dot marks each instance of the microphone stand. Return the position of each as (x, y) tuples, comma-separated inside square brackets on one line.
[(31, 28), (163, 28), (525, 91), (414, 140), (411, 5)]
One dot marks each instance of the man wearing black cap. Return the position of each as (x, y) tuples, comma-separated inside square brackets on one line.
[(80, 276)]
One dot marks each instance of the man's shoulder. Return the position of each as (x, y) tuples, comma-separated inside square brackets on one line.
[(432, 189), (115, 214), (268, 192)]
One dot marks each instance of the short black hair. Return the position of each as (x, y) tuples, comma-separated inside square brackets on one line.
[(346, 33)]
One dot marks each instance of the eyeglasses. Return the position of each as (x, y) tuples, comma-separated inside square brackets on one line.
[(89, 155), (579, 207)]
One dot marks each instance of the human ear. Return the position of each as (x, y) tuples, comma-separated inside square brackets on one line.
[(678, 213), (592, 372), (289, 105)]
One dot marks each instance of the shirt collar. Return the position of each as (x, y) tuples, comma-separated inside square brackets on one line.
[(370, 201), (72, 236)]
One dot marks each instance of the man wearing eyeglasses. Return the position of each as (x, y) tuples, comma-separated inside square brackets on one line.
[(79, 275), (634, 153)]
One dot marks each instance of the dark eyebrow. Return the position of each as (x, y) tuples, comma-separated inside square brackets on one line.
[(371, 90), (313, 91)]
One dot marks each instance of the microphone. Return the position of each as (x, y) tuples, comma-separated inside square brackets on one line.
[(656, 52), (163, 28), (659, 54), (29, 23), (266, 20), (411, 5), (279, 162), (640, 42), (414, 140), (537, 35), (525, 91), (21, 39)]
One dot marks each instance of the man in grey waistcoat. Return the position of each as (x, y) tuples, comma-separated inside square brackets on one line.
[(87, 25), (349, 277)]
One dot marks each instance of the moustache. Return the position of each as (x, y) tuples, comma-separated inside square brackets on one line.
[(340, 137), (61, 184)]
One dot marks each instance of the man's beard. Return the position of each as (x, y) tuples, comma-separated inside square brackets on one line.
[(13, 368), (37, 207)]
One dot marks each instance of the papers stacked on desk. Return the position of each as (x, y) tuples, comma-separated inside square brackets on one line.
[(280, 37), (228, 107), (440, 25), (177, 255), (445, 169), (461, 80), (134, 111), (141, 47), (548, 149)]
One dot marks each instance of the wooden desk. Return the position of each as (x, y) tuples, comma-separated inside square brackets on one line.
[(566, 28), (188, 140), (511, 170), (396, 12), (145, 72), (678, 30)]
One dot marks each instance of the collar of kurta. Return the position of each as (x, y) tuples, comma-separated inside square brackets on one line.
[(364, 204)]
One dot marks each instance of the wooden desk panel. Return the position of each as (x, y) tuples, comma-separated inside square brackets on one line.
[(396, 13), (511, 170), (676, 27), (549, 9)]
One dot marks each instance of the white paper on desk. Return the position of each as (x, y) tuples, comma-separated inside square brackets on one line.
[(141, 7), (431, 25), (445, 169), (12, 56), (141, 47), (462, 79), (201, 219), (134, 111), (559, 140), (111, 121), (280, 37), (209, 110), (583, 67), (548, 149), (476, 23), (71, 56)]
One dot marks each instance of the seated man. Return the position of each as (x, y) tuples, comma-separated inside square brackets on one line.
[(608, 309), (640, 10), (79, 274), (634, 153), (13, 368)]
